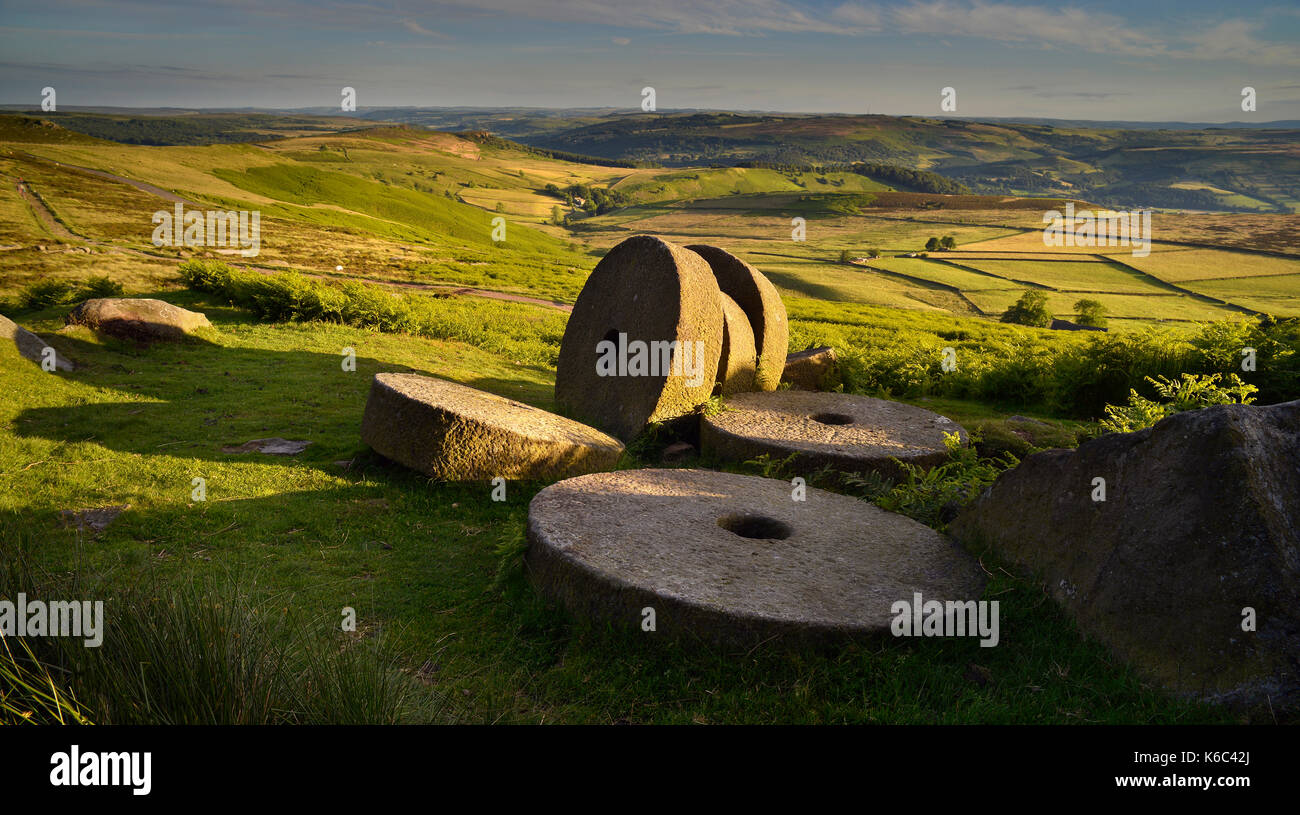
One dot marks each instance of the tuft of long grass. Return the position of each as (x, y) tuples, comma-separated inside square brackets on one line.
[(217, 652)]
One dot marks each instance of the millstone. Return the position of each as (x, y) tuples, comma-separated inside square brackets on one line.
[(736, 366), (456, 433), (761, 303), (645, 290), (733, 558), (846, 432)]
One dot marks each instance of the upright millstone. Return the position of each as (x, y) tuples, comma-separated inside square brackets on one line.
[(761, 303), (736, 366), (644, 339)]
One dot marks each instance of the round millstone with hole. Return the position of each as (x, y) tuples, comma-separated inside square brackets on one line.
[(644, 339), (734, 558), (456, 433), (846, 432), (761, 303), (736, 366)]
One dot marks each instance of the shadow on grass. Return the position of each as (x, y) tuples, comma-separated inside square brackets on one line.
[(194, 398)]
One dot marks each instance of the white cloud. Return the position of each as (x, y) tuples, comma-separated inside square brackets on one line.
[(1235, 40), (1053, 27), (415, 28)]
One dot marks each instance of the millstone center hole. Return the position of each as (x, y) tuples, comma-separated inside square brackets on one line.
[(755, 526), (832, 418)]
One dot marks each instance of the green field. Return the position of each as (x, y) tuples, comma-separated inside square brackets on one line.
[(434, 569)]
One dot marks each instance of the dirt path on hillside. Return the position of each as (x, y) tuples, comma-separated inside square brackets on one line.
[(44, 215), (142, 186)]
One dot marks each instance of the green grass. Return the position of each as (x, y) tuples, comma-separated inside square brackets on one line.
[(136, 426)]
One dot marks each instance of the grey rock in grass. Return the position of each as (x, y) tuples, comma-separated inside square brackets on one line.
[(31, 346), (645, 290), (846, 432), (732, 558), (762, 304), (273, 447), (456, 433), (137, 318), (94, 520), (1201, 521), (811, 370)]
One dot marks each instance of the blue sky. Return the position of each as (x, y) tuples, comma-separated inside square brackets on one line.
[(1152, 60)]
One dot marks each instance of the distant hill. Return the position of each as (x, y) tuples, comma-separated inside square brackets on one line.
[(1232, 167)]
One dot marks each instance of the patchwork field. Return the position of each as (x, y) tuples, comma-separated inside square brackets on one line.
[(394, 228)]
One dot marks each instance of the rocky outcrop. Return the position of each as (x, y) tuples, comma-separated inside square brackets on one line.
[(1178, 546)]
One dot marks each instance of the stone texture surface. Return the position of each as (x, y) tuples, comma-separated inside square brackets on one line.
[(137, 318), (736, 365), (810, 370), (1201, 520), (761, 302), (29, 345), (608, 545), (850, 433), (92, 520), (457, 433), (650, 290), (275, 446)]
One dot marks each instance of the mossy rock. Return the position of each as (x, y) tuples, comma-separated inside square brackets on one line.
[(1157, 542), (456, 433), (816, 369), (137, 318)]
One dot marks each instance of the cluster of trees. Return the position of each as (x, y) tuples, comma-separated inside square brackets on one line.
[(595, 200), (918, 180), (846, 255), (492, 140), (1031, 309), (941, 244)]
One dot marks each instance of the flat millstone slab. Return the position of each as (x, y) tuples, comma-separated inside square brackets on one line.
[(456, 433), (607, 546), (761, 302), (645, 293), (846, 432)]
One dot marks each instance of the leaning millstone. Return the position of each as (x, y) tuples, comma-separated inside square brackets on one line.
[(137, 318), (846, 432), (617, 369), (31, 346), (811, 370), (1178, 546), (456, 433), (736, 366), (731, 558), (761, 303)]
